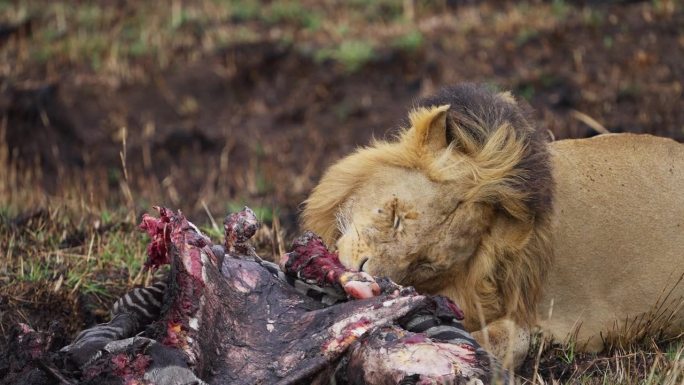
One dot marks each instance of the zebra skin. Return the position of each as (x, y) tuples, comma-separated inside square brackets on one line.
[(143, 305)]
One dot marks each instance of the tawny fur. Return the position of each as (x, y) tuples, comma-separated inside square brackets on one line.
[(460, 203), (485, 165), (519, 259)]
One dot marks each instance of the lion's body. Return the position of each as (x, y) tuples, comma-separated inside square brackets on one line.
[(472, 202), (618, 234)]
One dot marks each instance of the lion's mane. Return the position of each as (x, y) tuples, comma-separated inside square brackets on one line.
[(502, 158)]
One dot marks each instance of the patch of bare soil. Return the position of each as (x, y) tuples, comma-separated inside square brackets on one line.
[(39, 305)]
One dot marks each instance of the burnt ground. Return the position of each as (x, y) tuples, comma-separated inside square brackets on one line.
[(258, 120)]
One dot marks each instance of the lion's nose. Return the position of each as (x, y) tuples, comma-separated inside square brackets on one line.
[(363, 263)]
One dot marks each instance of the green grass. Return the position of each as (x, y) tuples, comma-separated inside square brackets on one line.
[(35, 271), (560, 9), (263, 213), (378, 10), (568, 353), (525, 35), (352, 54), (410, 41), (675, 351), (593, 17), (292, 12), (114, 41), (526, 91), (608, 42), (215, 233), (243, 10), (123, 250), (37, 252)]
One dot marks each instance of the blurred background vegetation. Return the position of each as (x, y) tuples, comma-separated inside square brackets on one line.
[(108, 107)]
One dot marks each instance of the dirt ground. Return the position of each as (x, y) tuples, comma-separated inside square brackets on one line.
[(259, 121), (207, 127)]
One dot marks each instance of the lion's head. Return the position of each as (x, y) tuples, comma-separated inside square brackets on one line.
[(459, 203)]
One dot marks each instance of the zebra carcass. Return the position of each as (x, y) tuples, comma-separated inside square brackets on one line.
[(226, 316)]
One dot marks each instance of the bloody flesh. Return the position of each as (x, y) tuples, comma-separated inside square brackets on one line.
[(227, 319)]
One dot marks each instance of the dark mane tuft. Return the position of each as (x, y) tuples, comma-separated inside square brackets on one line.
[(478, 111)]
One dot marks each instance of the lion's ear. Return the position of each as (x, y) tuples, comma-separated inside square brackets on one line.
[(430, 127)]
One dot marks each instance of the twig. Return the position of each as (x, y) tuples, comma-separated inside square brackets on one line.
[(54, 372), (211, 217), (125, 186), (589, 121), (278, 238), (537, 360)]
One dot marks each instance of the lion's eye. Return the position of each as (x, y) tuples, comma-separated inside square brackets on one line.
[(396, 221), (428, 267), (423, 264)]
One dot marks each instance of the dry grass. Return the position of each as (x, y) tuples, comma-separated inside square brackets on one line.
[(76, 248), (68, 260), (644, 363)]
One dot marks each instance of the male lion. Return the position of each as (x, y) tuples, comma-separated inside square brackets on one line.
[(580, 237)]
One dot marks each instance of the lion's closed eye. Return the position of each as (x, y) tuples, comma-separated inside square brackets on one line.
[(427, 266), (400, 218), (423, 269), (396, 221)]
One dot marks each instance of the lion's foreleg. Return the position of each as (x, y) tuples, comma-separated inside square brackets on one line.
[(506, 340)]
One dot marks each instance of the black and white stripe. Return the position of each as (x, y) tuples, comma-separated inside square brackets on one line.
[(145, 305), (438, 328), (88, 343), (143, 302), (130, 313), (326, 295), (444, 330)]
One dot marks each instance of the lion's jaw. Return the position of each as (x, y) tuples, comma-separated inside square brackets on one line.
[(411, 229)]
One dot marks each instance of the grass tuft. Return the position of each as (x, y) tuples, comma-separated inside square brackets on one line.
[(352, 54)]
